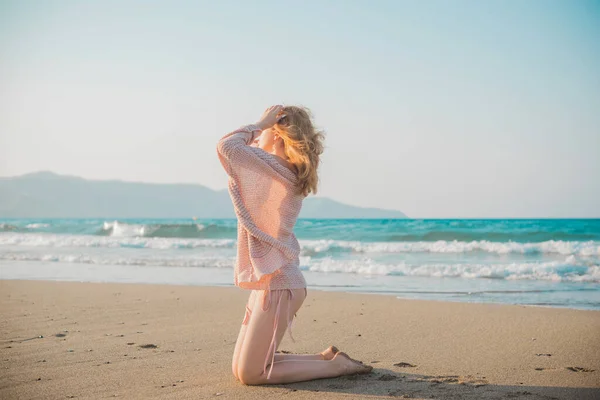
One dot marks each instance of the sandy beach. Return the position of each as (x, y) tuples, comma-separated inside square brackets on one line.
[(64, 340)]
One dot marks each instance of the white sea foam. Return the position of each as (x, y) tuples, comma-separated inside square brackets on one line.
[(194, 261), (51, 240), (588, 248), (124, 230), (131, 236), (569, 270), (37, 226)]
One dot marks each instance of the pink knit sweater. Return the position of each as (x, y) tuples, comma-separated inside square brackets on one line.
[(267, 202)]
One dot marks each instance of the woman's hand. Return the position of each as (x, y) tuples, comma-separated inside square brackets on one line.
[(270, 117)]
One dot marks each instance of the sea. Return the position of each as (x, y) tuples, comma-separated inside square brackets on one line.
[(539, 262)]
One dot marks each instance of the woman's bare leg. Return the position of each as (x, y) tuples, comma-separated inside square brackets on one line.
[(326, 354), (299, 371), (257, 342), (240, 341), (236, 352)]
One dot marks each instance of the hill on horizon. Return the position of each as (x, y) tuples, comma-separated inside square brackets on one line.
[(49, 195)]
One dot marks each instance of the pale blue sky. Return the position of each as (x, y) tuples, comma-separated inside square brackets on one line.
[(435, 108)]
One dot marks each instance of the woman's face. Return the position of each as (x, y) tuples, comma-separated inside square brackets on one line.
[(265, 140)]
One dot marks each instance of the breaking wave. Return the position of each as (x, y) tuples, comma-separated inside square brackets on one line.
[(569, 270), (366, 231), (199, 231), (325, 247), (314, 248)]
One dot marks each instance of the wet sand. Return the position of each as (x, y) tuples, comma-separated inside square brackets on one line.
[(64, 340)]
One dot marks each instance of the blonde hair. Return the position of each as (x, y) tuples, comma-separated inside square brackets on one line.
[(303, 145)]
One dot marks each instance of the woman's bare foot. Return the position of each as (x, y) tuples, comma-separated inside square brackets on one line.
[(350, 366), (356, 361), (329, 353)]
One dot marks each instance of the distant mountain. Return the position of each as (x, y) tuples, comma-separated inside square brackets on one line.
[(323, 207), (49, 195)]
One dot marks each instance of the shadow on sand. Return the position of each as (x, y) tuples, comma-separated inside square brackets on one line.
[(385, 383)]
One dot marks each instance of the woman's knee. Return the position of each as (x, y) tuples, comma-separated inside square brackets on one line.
[(234, 369), (250, 376)]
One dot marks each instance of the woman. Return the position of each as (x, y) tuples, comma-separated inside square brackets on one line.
[(272, 167)]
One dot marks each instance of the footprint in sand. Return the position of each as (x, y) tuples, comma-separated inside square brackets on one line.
[(580, 369), (452, 379), (404, 365), (573, 369)]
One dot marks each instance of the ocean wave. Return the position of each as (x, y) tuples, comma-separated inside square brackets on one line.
[(327, 247), (51, 240), (312, 248), (375, 231), (569, 270), (196, 262), (196, 230), (466, 236), (37, 226), (8, 227)]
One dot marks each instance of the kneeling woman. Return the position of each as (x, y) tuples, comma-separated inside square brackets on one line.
[(272, 167)]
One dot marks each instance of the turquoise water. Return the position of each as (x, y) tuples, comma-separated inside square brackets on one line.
[(535, 262)]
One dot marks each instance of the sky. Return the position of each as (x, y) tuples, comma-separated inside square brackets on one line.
[(439, 109)]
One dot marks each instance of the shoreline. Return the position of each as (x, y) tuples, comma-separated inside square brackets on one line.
[(93, 337), (317, 288)]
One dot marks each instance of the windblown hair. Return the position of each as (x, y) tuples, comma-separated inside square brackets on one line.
[(303, 145)]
